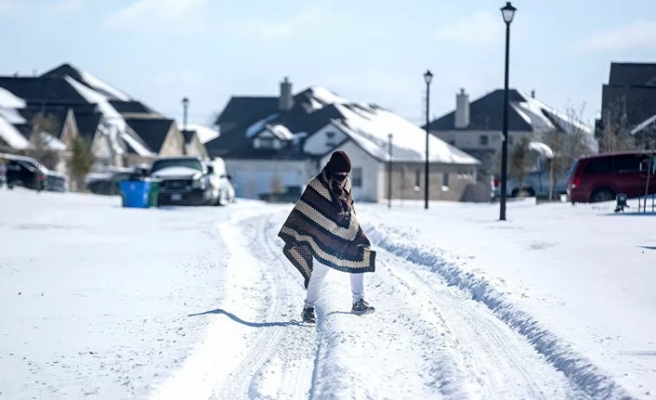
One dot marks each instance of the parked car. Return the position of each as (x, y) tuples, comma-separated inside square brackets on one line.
[(221, 180), (601, 177), (29, 173), (3, 173), (287, 194), (108, 183), (187, 180), (536, 184)]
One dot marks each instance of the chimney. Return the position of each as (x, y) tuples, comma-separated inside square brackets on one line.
[(285, 101), (533, 93), (462, 110)]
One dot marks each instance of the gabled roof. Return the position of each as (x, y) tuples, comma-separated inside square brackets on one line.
[(88, 80), (639, 102), (56, 116), (526, 114), (246, 110), (47, 90), (132, 107), (152, 131), (87, 124), (367, 126), (632, 74), (188, 136)]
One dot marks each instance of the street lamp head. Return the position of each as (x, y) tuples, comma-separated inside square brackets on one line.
[(508, 13), (428, 77), (185, 101)]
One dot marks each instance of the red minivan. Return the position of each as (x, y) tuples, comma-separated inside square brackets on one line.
[(601, 177)]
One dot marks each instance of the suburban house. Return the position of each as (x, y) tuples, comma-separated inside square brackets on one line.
[(122, 130), (477, 127), (160, 135), (628, 102), (270, 143)]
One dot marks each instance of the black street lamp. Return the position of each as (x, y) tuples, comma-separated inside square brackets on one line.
[(185, 107), (389, 172), (508, 13), (428, 77)]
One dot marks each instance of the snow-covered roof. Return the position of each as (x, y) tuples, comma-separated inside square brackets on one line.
[(205, 133), (281, 131), (526, 114), (103, 86), (114, 124), (257, 127), (51, 142), (541, 149), (85, 78), (646, 123), (10, 135), (325, 96), (370, 127), (533, 111), (12, 115), (9, 100)]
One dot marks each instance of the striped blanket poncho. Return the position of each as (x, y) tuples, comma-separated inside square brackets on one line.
[(323, 225)]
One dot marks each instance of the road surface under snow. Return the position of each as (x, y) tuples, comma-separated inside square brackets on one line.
[(199, 303)]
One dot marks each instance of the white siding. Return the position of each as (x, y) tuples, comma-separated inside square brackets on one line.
[(471, 140), (254, 177), (370, 172), (322, 142)]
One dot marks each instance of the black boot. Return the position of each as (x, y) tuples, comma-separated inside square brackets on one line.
[(362, 307), (308, 316)]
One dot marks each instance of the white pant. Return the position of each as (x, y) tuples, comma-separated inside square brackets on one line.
[(316, 279)]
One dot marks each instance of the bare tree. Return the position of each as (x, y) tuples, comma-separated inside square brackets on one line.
[(615, 134), (81, 161), (43, 125), (519, 160), (568, 145)]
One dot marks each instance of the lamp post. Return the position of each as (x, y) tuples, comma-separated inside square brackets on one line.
[(428, 77), (508, 13), (389, 173), (185, 107)]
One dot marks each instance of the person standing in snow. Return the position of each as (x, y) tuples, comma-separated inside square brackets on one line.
[(323, 226)]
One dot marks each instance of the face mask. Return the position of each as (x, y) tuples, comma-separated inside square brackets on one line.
[(339, 176)]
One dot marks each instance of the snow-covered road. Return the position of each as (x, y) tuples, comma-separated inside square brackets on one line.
[(199, 303), (425, 340)]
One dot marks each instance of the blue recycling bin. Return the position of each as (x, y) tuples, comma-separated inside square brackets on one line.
[(135, 193)]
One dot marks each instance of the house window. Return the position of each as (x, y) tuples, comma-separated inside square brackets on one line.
[(265, 143), (445, 180), (330, 139), (483, 140), (417, 179), (356, 177)]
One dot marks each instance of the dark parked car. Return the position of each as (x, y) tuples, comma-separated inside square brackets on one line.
[(288, 194), (185, 181), (107, 183), (29, 173), (601, 177)]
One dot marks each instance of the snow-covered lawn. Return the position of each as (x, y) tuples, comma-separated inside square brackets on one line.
[(195, 303)]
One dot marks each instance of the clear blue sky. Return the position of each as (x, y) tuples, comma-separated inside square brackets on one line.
[(366, 50)]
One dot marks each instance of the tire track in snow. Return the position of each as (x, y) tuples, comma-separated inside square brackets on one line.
[(281, 358), (498, 362), (578, 369), (247, 330)]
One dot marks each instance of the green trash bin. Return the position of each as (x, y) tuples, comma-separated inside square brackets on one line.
[(154, 192)]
